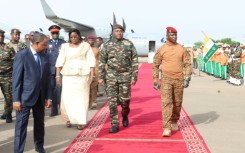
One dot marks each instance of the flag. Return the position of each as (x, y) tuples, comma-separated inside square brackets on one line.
[(209, 48)]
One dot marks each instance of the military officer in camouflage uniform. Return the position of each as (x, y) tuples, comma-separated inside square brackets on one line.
[(176, 73), (235, 77), (15, 40), (121, 57), (6, 61)]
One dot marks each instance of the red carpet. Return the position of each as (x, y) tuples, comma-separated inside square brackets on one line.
[(145, 129)]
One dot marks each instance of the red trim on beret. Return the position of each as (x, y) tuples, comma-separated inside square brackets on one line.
[(90, 37), (171, 29), (54, 30)]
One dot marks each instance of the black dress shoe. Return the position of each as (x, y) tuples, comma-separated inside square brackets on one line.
[(9, 118), (125, 121), (40, 150), (3, 117), (52, 115), (114, 129)]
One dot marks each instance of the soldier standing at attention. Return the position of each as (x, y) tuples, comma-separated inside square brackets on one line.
[(15, 40), (100, 44), (94, 84), (54, 45), (6, 68), (176, 74), (121, 57)]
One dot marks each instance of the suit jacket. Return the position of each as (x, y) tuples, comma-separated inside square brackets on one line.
[(28, 83), (53, 52)]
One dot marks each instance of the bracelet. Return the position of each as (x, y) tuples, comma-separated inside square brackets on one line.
[(57, 77)]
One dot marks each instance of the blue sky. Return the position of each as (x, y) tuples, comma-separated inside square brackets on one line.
[(217, 18)]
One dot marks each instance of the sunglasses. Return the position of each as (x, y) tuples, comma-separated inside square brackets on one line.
[(55, 33)]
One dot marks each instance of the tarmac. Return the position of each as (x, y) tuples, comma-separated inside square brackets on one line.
[(216, 108)]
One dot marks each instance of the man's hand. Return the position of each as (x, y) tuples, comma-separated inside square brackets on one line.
[(101, 81), (156, 86), (17, 106), (58, 80), (90, 80), (48, 103), (187, 81), (133, 82)]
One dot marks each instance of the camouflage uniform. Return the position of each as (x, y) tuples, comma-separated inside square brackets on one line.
[(6, 67), (17, 46), (94, 84), (122, 60), (236, 63), (171, 88)]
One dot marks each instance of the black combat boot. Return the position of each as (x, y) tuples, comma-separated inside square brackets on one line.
[(9, 118), (3, 117), (114, 129), (125, 121)]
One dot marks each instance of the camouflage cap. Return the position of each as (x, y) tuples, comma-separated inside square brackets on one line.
[(15, 30), (118, 26), (1, 31)]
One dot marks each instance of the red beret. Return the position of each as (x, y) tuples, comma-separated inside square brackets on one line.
[(90, 37), (171, 29)]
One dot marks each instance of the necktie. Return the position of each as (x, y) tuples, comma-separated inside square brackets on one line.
[(37, 59)]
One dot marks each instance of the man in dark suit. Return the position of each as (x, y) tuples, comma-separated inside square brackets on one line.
[(54, 45), (31, 90)]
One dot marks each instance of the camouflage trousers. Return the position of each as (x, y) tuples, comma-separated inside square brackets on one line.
[(118, 93), (6, 87), (235, 69), (172, 97), (93, 92)]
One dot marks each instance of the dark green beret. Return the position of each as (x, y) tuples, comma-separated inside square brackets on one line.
[(118, 26)]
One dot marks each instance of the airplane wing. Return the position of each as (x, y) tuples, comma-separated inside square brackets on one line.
[(65, 24)]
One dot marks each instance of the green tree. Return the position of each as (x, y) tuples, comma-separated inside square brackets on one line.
[(226, 41), (198, 44)]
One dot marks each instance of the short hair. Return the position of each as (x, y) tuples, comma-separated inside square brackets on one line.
[(33, 32), (38, 37), (75, 31), (27, 34), (1, 31), (15, 30), (101, 39)]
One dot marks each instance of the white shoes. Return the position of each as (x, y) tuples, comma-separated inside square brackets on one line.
[(174, 127), (166, 133)]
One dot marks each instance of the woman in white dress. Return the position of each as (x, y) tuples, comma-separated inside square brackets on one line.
[(76, 63)]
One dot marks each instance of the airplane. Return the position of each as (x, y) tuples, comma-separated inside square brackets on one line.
[(144, 43)]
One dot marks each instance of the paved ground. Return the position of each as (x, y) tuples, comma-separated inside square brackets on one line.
[(216, 108)]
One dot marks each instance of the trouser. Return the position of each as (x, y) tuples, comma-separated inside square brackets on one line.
[(224, 71), (22, 123), (118, 91), (56, 95), (242, 70), (6, 87), (195, 66), (93, 91), (218, 69), (172, 96)]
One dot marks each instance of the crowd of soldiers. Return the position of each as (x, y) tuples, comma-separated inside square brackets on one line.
[(227, 63), (7, 54)]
